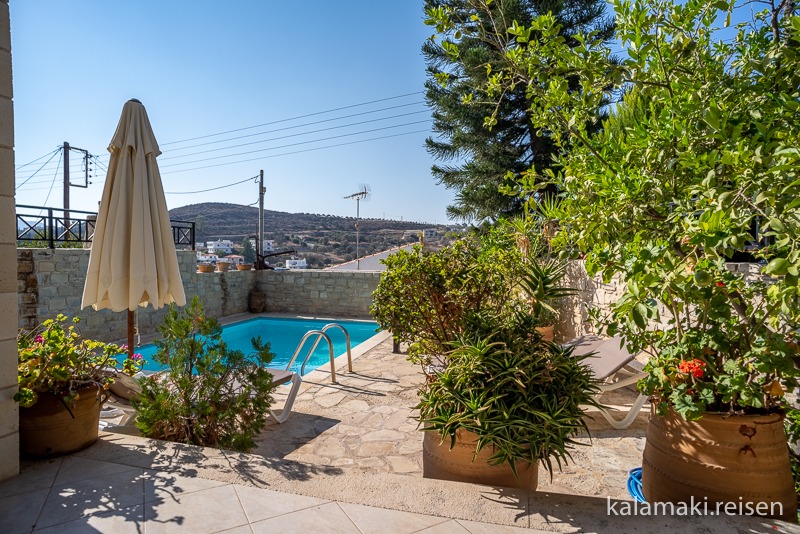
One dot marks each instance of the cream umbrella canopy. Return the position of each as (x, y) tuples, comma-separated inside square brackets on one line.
[(133, 260)]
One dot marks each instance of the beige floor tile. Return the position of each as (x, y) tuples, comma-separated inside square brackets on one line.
[(260, 504), (204, 511), (128, 520), (244, 529), (371, 520), (164, 486), (487, 528), (33, 476), (18, 513), (328, 518), (448, 527), (82, 498), (77, 468)]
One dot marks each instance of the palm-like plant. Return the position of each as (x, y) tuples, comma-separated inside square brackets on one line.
[(541, 283)]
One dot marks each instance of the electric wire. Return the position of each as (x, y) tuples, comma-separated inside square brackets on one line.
[(294, 135), (295, 144), (292, 118), (53, 183), (37, 159), (39, 169), (313, 123), (212, 189), (296, 152)]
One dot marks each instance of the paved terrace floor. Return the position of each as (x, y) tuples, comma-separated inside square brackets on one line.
[(347, 460)]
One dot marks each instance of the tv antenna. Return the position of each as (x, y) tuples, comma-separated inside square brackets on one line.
[(364, 194)]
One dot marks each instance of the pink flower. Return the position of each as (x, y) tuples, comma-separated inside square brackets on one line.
[(39, 339), (137, 356)]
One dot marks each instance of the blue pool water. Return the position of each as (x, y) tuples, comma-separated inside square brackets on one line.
[(283, 336)]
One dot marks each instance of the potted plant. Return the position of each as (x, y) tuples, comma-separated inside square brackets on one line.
[(62, 380), (541, 281), (506, 401), (498, 399)]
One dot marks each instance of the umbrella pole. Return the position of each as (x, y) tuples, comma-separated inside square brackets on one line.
[(130, 334)]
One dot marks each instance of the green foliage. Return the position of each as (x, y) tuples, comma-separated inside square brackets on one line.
[(698, 164), (792, 426), (483, 159), (521, 395), (54, 358), (209, 395), (473, 329), (248, 251), (424, 298)]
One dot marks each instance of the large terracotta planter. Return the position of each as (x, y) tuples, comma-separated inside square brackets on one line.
[(52, 428), (244, 267), (547, 332), (223, 266), (441, 462), (718, 459)]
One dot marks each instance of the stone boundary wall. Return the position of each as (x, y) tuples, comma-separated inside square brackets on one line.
[(594, 293), (320, 293), (50, 282)]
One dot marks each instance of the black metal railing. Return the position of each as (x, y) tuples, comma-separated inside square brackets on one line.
[(58, 227)]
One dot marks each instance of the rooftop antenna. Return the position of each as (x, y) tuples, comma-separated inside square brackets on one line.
[(364, 194)]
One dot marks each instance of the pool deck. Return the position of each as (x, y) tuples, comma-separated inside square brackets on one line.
[(348, 459)]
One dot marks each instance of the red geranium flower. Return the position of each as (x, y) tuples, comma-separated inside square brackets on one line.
[(694, 367)]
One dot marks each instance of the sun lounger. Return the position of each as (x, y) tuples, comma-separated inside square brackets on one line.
[(615, 368)]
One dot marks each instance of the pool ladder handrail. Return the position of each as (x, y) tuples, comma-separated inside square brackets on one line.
[(320, 334)]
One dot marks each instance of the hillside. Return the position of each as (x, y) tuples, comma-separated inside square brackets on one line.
[(321, 239)]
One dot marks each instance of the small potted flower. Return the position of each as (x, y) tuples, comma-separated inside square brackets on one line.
[(63, 379)]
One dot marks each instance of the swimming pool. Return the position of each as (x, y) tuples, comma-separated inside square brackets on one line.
[(283, 336)]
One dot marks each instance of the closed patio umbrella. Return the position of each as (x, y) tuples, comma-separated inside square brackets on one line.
[(133, 260)]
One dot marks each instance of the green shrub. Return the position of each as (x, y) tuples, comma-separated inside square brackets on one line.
[(209, 395)]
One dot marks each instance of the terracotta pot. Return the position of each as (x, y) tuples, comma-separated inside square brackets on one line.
[(244, 267), (205, 268), (439, 461), (735, 459), (52, 428), (547, 332), (223, 266), (258, 301)]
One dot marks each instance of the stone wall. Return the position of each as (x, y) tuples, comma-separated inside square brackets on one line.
[(594, 293), (320, 293), (9, 411), (50, 282)]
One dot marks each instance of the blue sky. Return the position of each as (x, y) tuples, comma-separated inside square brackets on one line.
[(202, 68)]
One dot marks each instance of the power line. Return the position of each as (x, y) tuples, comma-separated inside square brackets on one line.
[(296, 135), (293, 118), (295, 152), (37, 159), (207, 190), (53, 183), (295, 144), (40, 168), (313, 123)]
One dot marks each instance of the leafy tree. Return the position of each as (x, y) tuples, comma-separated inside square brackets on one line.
[(248, 251), (475, 34)]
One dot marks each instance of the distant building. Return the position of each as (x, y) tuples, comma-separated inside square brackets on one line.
[(269, 245), (235, 259), (204, 257), (429, 233), (220, 247), (369, 263), (296, 264)]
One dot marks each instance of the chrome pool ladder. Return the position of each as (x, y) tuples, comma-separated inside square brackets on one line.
[(318, 335)]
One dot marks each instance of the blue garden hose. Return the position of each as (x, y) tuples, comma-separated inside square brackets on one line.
[(635, 484)]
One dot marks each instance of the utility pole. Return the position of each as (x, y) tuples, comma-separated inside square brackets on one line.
[(363, 194), (66, 186), (260, 244)]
